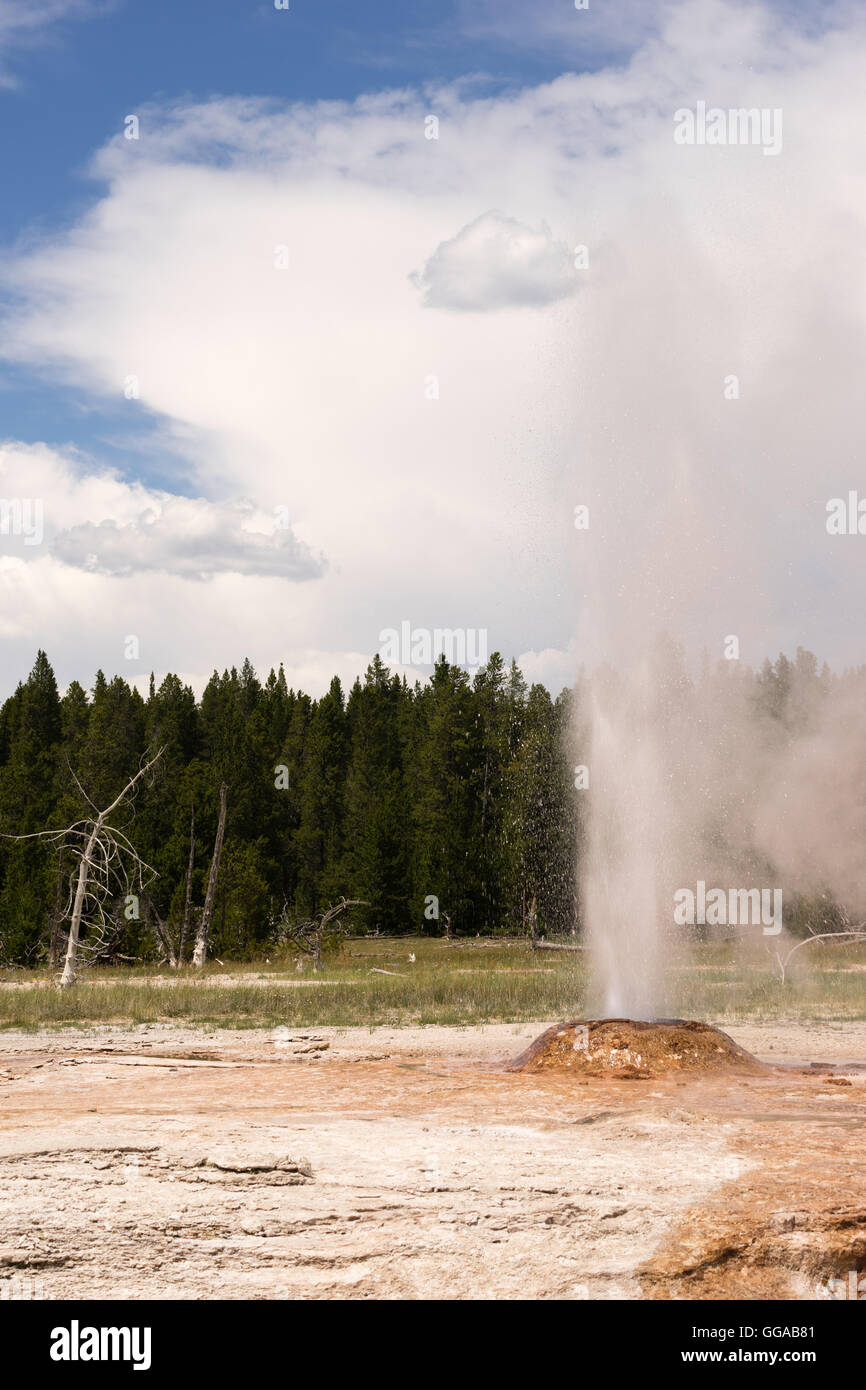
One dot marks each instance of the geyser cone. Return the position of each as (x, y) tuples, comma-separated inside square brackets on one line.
[(626, 1047)]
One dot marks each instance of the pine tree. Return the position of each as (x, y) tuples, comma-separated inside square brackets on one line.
[(322, 808), (32, 728), (376, 804), (450, 802), (445, 809)]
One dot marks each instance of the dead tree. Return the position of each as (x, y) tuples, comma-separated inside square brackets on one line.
[(161, 931), (310, 937), (857, 933), (106, 867), (533, 925), (187, 905), (199, 955), (56, 918), (172, 941)]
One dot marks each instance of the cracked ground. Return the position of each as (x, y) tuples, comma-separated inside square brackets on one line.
[(163, 1162)]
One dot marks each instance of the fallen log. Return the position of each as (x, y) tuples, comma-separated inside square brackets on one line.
[(554, 946)]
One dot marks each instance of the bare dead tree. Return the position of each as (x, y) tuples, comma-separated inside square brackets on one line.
[(533, 925), (106, 867), (56, 918), (857, 933), (199, 955), (171, 940), (161, 931), (187, 904), (310, 937)]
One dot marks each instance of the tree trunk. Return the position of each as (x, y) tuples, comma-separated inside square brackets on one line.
[(187, 906), (484, 795), (161, 933), (56, 919), (199, 955), (93, 886), (71, 963), (533, 925)]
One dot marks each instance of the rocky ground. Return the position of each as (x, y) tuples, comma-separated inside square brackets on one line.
[(165, 1162)]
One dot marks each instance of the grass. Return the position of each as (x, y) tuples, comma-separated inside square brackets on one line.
[(462, 982)]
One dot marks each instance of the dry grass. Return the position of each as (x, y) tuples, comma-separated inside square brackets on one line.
[(464, 982)]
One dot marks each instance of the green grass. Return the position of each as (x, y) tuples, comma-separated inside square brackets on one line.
[(464, 982)]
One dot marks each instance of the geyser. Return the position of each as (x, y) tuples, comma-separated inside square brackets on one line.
[(634, 1048), (627, 859)]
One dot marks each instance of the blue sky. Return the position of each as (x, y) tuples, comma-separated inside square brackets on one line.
[(77, 77), (74, 78), (396, 424)]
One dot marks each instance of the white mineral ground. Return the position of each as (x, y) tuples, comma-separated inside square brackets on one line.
[(169, 1162)]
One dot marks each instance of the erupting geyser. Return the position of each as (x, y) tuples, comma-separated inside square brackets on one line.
[(626, 854), (628, 1048)]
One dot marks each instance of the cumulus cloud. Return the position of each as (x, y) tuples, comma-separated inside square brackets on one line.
[(497, 263), (554, 668), (189, 537), (437, 458), (82, 614), (90, 518)]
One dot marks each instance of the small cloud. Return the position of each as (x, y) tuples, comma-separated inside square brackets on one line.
[(558, 27), (555, 667), (189, 537), (497, 263), (25, 24)]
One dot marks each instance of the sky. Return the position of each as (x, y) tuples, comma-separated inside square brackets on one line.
[(320, 322)]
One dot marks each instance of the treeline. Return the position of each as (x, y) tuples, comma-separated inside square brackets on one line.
[(447, 806)]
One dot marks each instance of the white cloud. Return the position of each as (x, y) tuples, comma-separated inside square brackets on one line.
[(25, 23), (496, 263), (189, 537), (436, 458), (92, 519), (552, 667), (559, 27)]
